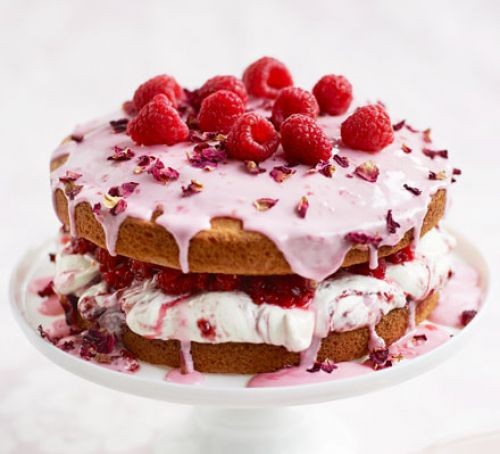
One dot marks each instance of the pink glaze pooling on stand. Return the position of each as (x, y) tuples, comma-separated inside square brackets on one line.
[(192, 378), (293, 376), (423, 339), (38, 284), (51, 306), (314, 246), (461, 294)]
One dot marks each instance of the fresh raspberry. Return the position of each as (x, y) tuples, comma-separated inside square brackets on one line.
[(219, 111), (292, 100), (304, 141), (159, 84), (252, 138), (158, 123), (217, 83), (369, 129), (334, 94), (107, 261), (266, 77)]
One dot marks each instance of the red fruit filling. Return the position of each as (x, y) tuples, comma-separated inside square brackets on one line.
[(403, 255), (364, 269), (207, 330), (252, 138), (266, 77), (292, 100), (334, 94), (369, 129)]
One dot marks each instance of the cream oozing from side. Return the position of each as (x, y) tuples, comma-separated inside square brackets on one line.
[(345, 302)]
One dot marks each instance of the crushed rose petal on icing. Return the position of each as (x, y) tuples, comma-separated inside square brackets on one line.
[(315, 250)]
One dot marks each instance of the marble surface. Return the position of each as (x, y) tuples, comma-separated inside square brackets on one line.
[(63, 62)]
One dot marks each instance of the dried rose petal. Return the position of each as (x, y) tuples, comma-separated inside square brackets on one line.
[(427, 135), (70, 177), (326, 169), (254, 168), (163, 174), (467, 316), (143, 163), (45, 335), (413, 190), (120, 207), (128, 188), (265, 203), (437, 176), (96, 209), (192, 188), (281, 173), (392, 225), (367, 171), (363, 238), (406, 148), (420, 338), (121, 154), (433, 153), (119, 125), (380, 358), (206, 157), (327, 366), (52, 257), (48, 290), (398, 126), (457, 171), (302, 207), (342, 161), (78, 138), (411, 128), (110, 201)]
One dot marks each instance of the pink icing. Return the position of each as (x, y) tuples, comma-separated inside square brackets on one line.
[(314, 246), (462, 293), (411, 347), (192, 378), (298, 375), (51, 306)]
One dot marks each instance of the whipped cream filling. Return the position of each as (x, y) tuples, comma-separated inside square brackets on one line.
[(342, 303)]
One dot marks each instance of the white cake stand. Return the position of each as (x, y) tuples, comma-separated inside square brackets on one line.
[(228, 417)]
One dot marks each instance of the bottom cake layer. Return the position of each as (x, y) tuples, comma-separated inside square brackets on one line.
[(247, 358)]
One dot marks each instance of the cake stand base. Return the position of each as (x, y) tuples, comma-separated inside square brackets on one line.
[(292, 430)]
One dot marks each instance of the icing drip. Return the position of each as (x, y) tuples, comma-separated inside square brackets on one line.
[(313, 246), (187, 366)]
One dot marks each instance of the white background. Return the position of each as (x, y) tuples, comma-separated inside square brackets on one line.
[(433, 62)]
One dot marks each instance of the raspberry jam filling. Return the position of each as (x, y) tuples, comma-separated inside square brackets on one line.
[(288, 291)]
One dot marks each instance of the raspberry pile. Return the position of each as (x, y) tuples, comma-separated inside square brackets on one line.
[(163, 112)]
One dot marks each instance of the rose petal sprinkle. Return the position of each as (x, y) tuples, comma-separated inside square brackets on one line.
[(265, 203), (399, 125), (363, 238), (342, 161), (253, 168), (367, 171), (437, 175), (467, 316), (435, 153), (192, 188), (121, 154), (302, 207), (392, 225), (119, 125), (281, 173), (327, 366), (70, 176), (413, 190), (163, 174), (406, 148)]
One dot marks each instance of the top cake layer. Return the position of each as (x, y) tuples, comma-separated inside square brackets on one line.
[(205, 212)]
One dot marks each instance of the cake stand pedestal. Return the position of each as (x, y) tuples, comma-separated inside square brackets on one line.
[(227, 416)]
